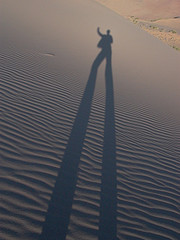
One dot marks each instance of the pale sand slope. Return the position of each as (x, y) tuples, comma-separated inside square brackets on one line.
[(160, 18), (47, 49), (145, 9)]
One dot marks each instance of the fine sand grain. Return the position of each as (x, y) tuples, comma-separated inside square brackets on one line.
[(86, 156)]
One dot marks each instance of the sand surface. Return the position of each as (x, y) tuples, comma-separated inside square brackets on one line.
[(83, 156), (161, 18)]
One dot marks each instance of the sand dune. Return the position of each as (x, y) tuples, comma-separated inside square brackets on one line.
[(86, 154), (159, 18), (145, 9)]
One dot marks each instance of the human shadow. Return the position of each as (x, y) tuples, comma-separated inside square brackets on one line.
[(57, 218), (108, 203)]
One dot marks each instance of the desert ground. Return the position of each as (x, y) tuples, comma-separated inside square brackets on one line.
[(89, 136), (160, 18)]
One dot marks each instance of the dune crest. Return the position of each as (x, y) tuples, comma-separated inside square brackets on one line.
[(159, 18)]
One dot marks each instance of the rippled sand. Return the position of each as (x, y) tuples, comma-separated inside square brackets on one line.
[(121, 179)]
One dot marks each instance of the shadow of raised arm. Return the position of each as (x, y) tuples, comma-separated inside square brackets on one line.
[(98, 31)]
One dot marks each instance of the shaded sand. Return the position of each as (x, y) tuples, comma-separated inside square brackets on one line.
[(159, 18), (108, 139)]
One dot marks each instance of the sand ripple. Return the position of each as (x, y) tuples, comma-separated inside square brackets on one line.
[(40, 98)]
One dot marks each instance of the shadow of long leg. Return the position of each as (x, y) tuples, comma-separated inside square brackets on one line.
[(108, 204), (57, 218)]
